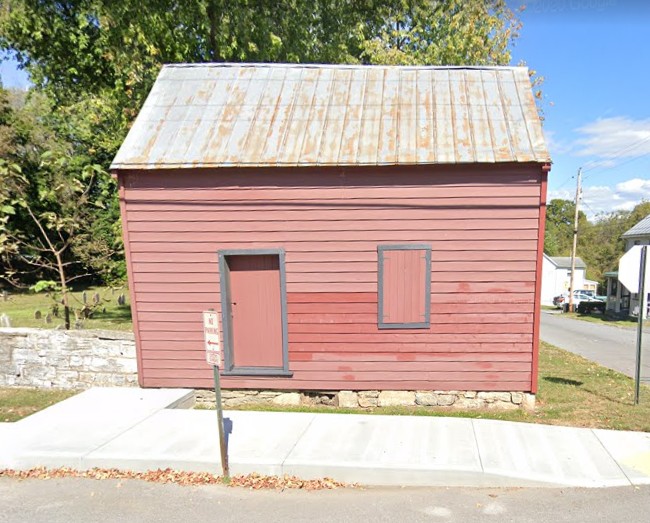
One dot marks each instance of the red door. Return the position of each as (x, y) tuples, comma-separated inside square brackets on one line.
[(255, 304)]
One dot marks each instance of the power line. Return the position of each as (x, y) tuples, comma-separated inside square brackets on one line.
[(565, 182), (589, 207), (606, 169), (618, 154)]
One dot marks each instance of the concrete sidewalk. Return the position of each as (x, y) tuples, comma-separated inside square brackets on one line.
[(145, 429)]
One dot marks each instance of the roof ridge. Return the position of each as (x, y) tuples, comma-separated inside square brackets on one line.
[(341, 66)]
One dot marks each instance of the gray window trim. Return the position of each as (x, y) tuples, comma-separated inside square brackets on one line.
[(380, 286), (226, 315)]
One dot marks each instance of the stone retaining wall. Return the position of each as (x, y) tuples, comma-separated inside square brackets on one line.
[(80, 359), (46, 358), (374, 398)]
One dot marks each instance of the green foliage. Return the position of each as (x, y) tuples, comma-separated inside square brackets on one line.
[(45, 286), (601, 244), (93, 62), (61, 244), (558, 238), (599, 241), (450, 32), (559, 223)]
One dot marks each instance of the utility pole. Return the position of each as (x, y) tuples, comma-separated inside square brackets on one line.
[(575, 238)]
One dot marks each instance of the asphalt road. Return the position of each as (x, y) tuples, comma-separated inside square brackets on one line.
[(66, 500), (613, 347)]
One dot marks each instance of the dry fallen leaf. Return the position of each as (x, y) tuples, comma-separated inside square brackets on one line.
[(251, 481)]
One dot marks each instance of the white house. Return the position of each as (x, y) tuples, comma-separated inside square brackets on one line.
[(556, 277), (619, 298)]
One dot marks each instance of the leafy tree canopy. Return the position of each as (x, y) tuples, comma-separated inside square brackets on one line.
[(93, 62), (599, 240), (87, 46)]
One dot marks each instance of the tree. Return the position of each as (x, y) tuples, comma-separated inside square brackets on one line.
[(48, 201), (94, 62), (6, 131), (558, 237), (65, 196), (446, 32), (599, 241), (83, 47), (602, 245)]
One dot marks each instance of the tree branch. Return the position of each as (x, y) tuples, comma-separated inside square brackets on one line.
[(68, 280), (40, 227), (36, 264), (31, 246)]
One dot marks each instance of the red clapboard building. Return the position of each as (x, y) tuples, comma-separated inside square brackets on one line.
[(355, 227)]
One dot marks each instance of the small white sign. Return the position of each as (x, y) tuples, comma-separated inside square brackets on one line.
[(629, 269), (211, 334)]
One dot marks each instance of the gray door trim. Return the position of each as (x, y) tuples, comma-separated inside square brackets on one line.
[(226, 315)]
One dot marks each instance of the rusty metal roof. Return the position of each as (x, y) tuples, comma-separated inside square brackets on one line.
[(217, 115)]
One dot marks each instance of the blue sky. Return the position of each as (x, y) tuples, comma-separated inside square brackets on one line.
[(595, 58)]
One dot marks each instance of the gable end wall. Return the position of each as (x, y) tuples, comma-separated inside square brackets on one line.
[(483, 224)]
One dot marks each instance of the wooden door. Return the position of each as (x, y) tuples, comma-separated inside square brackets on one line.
[(256, 310)]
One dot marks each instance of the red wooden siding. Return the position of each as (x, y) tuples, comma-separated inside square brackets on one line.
[(482, 224)]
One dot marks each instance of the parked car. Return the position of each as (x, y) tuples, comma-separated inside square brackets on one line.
[(588, 300), (558, 301), (587, 306)]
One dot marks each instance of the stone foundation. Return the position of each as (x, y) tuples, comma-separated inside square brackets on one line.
[(44, 358), (451, 399)]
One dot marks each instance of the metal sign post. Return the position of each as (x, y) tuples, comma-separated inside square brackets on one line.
[(639, 333), (213, 357)]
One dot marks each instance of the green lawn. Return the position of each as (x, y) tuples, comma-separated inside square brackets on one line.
[(573, 391), (16, 404), (600, 318), (22, 309)]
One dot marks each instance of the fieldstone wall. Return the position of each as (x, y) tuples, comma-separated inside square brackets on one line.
[(80, 359), (452, 399), (66, 359)]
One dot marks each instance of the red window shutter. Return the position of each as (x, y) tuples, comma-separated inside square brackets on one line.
[(405, 287)]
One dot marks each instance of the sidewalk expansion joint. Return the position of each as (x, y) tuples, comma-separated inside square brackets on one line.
[(478, 450), (130, 427), (313, 417), (612, 457)]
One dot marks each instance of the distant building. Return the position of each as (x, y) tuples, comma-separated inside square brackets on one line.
[(619, 298), (556, 277)]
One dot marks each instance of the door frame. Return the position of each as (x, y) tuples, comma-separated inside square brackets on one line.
[(226, 315)]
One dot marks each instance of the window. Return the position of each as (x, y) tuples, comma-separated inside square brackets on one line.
[(404, 294)]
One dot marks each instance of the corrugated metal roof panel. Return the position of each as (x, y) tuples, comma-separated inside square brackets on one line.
[(640, 229), (210, 115)]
